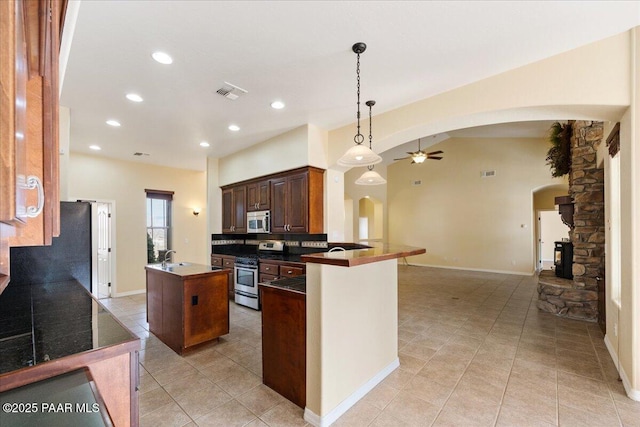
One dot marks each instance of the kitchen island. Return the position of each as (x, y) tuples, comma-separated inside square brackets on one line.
[(352, 326), (187, 303)]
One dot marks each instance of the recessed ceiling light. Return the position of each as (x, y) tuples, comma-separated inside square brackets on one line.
[(204, 144), (278, 105), (162, 58), (95, 147), (234, 128), (134, 97), (113, 123)]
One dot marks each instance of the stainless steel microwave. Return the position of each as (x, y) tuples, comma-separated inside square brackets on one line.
[(258, 222)]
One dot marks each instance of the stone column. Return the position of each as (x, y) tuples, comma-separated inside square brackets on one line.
[(587, 190)]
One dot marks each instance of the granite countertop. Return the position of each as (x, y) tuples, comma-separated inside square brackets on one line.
[(351, 258), (296, 284), (186, 269), (46, 322)]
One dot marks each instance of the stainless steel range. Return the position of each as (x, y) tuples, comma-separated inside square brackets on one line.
[(246, 273)]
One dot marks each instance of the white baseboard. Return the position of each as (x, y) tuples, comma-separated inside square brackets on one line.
[(328, 419), (482, 270), (129, 293), (631, 392)]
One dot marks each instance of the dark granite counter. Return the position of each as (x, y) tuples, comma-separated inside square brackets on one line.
[(46, 322), (184, 269), (295, 284)]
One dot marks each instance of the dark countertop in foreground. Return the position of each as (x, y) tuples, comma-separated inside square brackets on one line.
[(351, 258), (295, 284), (45, 323), (185, 269)]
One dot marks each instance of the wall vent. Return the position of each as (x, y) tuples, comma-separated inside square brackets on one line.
[(231, 91), (416, 182), (137, 153), (487, 174)]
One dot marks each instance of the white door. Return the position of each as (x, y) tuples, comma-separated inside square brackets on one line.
[(103, 230), (551, 229)]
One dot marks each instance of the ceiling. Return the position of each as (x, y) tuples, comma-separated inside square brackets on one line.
[(298, 52)]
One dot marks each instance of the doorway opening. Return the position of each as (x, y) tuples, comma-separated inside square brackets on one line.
[(551, 229), (102, 232), (370, 219)]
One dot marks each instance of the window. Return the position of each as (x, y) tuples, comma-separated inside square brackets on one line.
[(158, 224)]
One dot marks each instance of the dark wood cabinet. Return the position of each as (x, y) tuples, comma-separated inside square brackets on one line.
[(284, 342), (184, 311), (295, 199), (229, 262), (234, 210), (258, 196), (297, 202), (272, 270)]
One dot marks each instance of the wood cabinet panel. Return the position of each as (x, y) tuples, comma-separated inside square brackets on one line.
[(278, 205), (297, 203), (206, 309), (184, 311), (268, 268), (284, 343), (234, 210), (258, 196), (291, 271)]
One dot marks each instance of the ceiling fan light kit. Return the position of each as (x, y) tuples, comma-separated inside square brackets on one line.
[(420, 156), (360, 155)]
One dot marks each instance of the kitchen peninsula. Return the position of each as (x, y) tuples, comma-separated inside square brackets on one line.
[(187, 304), (352, 326)]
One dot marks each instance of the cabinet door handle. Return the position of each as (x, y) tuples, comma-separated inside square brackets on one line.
[(289, 272), (33, 182), (267, 268)]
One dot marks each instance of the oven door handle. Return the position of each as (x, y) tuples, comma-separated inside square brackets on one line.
[(246, 294)]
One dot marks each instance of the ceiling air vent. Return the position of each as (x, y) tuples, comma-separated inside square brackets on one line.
[(137, 153), (487, 174), (230, 91)]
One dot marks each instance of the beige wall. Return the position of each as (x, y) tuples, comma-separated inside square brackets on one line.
[(462, 219), (377, 193), (303, 146), (99, 178), (544, 198), (350, 311)]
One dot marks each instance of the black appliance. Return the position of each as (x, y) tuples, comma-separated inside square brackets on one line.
[(563, 259), (68, 257)]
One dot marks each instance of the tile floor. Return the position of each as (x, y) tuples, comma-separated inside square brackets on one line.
[(474, 351)]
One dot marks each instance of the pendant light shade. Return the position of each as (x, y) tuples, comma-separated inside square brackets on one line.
[(371, 177), (360, 155)]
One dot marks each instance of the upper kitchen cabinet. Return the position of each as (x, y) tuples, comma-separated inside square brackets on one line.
[(258, 196), (29, 49), (234, 209), (297, 201)]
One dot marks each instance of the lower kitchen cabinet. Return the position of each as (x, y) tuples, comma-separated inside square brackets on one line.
[(272, 270), (284, 342), (186, 310), (228, 262)]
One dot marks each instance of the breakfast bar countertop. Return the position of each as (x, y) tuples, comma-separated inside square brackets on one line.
[(351, 258)]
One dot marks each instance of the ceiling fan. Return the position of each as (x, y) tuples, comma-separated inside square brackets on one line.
[(420, 156)]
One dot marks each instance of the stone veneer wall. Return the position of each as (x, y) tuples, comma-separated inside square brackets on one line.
[(579, 298)]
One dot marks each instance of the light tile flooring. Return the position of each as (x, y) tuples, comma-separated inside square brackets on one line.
[(474, 351)]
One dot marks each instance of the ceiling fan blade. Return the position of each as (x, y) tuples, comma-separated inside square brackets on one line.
[(402, 158), (434, 158), (436, 152)]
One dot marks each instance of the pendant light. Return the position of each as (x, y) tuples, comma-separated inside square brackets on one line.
[(370, 177), (359, 155)]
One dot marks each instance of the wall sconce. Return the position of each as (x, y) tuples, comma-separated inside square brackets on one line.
[(196, 211)]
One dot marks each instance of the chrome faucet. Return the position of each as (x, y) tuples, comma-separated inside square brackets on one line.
[(166, 255)]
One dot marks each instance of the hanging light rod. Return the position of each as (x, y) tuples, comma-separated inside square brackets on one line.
[(370, 177), (360, 155)]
